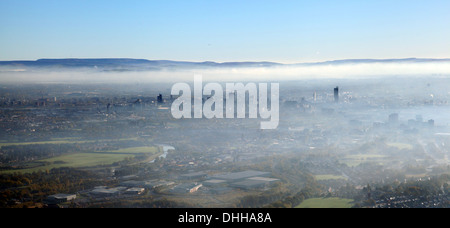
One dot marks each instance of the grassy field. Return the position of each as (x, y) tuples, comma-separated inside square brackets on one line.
[(61, 141), (401, 146), (74, 160), (357, 159), (153, 150), (78, 160), (84, 160), (137, 150), (326, 203), (42, 142), (329, 177)]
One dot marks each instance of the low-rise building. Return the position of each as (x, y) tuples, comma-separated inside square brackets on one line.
[(191, 176), (133, 183), (195, 188), (157, 183), (134, 191), (186, 188), (214, 183), (106, 192), (239, 176), (60, 198), (250, 184)]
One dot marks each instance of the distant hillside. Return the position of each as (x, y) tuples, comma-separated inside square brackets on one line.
[(357, 61), (124, 64)]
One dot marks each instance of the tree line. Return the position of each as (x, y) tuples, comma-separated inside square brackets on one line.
[(20, 189)]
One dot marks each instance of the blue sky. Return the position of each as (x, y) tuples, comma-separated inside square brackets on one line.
[(227, 30)]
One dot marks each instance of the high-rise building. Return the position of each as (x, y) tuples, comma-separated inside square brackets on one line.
[(160, 99), (336, 94), (393, 118)]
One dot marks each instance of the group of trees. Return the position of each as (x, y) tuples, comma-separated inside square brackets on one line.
[(279, 199), (298, 198), (148, 202), (429, 187), (17, 189)]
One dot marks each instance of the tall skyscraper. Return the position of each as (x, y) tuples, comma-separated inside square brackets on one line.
[(160, 99), (336, 94)]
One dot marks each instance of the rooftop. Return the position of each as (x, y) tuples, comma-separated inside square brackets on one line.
[(241, 175), (62, 196), (263, 179), (214, 181), (189, 175)]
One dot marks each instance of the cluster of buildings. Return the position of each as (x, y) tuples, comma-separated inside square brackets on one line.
[(393, 121), (245, 180), (192, 182), (35, 113), (249, 179), (60, 198), (437, 201), (104, 192), (186, 184), (99, 192)]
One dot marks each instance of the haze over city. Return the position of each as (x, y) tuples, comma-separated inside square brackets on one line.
[(360, 107)]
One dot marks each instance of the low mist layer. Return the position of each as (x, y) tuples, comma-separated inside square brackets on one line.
[(17, 73)]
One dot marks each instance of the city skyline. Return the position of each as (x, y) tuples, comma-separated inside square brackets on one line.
[(287, 32)]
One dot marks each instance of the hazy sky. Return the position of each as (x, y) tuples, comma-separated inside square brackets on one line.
[(227, 30)]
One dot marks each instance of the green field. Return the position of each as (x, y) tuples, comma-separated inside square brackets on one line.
[(42, 142), (401, 146), (78, 160), (61, 141), (136, 150), (326, 203), (84, 160), (329, 177), (74, 160), (357, 159)]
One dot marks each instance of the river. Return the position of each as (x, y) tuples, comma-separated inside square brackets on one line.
[(166, 148)]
